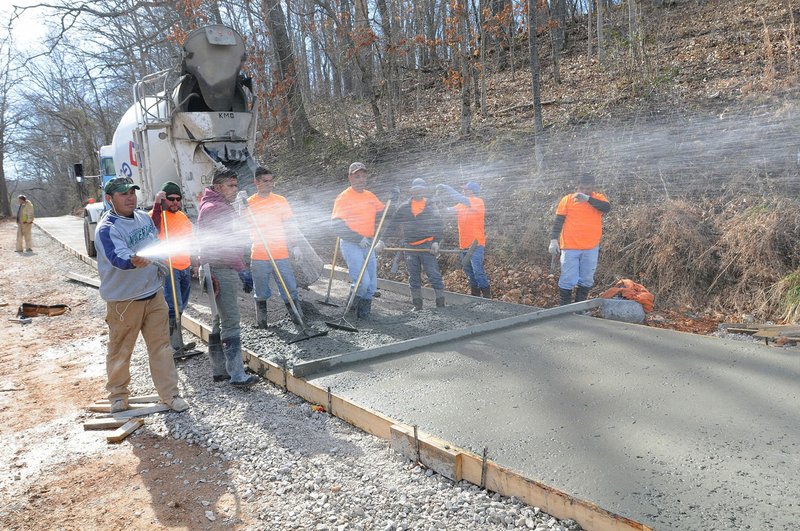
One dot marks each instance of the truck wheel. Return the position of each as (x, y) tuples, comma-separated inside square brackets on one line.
[(90, 249)]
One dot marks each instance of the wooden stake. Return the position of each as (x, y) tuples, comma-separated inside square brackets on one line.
[(416, 443), (330, 402), (483, 468)]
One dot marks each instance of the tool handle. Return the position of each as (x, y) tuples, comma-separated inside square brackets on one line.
[(333, 268)]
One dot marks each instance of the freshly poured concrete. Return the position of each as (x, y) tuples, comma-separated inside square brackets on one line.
[(674, 430)]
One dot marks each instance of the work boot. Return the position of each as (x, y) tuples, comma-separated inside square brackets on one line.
[(439, 298), (581, 293), (364, 308), (261, 314), (565, 296), (417, 302), (232, 348), (119, 405), (486, 292), (217, 356), (295, 319), (475, 291)]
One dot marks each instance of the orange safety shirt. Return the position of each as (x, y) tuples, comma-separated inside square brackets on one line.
[(470, 222), (271, 213), (583, 223), (357, 210), (417, 206), (179, 228)]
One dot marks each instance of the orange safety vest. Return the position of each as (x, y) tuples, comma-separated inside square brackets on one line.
[(471, 222), (271, 213), (179, 228), (357, 210)]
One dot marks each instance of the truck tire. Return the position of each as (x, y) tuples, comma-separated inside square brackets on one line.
[(90, 248)]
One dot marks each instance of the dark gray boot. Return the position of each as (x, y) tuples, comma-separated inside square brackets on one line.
[(581, 293), (261, 314), (475, 291), (295, 318), (232, 348), (416, 299), (217, 357), (486, 292), (175, 337), (565, 296), (364, 308), (439, 298)]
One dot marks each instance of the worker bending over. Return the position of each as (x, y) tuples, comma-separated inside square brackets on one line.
[(470, 213), (576, 233), (222, 247), (179, 229), (133, 289), (353, 221), (276, 224), (422, 227)]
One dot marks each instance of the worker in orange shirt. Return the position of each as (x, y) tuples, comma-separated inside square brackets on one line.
[(470, 212), (277, 225), (353, 221), (576, 234), (180, 229)]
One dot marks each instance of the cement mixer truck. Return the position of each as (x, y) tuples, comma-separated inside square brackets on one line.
[(184, 123)]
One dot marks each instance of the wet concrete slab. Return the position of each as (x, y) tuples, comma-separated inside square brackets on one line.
[(674, 430)]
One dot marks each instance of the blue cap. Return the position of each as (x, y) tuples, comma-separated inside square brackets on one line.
[(473, 187), (419, 184)]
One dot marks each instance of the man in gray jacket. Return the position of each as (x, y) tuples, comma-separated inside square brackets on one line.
[(133, 290)]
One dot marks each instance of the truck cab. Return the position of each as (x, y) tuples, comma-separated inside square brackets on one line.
[(93, 211)]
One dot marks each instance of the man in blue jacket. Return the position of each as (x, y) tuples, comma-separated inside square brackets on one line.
[(133, 290)]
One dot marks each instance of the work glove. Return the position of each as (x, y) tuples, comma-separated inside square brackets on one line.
[(364, 243), (554, 248), (297, 254), (247, 280), (435, 248), (379, 247), (581, 198)]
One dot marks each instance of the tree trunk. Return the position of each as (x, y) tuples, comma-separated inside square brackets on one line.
[(600, 36), (389, 62), (535, 70), (363, 57), (463, 32), (555, 45), (589, 16), (301, 129)]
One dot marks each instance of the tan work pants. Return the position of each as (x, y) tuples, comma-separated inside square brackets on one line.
[(24, 233), (125, 320)]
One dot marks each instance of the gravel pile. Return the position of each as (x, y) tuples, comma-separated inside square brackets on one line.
[(300, 469)]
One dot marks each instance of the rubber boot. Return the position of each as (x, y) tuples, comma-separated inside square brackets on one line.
[(439, 298), (261, 314), (416, 299), (232, 348), (295, 319), (217, 357), (175, 337), (581, 293), (475, 291), (486, 292), (565, 296), (364, 308)]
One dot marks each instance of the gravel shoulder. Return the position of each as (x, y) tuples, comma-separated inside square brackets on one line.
[(242, 460)]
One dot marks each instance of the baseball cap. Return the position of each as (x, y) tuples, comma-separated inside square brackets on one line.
[(473, 187), (418, 184), (356, 166), (120, 185)]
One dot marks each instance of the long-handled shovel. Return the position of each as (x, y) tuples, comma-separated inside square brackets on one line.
[(187, 349), (306, 332), (327, 301), (342, 323)]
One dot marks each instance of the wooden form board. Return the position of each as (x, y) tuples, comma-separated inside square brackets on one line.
[(89, 281), (123, 431), (498, 478), (109, 423)]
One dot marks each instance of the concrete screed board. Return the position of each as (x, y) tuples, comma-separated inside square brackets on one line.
[(673, 430)]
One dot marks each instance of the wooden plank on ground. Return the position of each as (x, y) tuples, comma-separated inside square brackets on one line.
[(83, 279), (106, 407), (146, 399), (123, 431), (130, 413), (775, 331), (109, 423)]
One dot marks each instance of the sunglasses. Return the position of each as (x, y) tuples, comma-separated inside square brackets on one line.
[(174, 198)]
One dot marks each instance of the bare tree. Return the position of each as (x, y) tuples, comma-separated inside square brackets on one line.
[(535, 68)]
